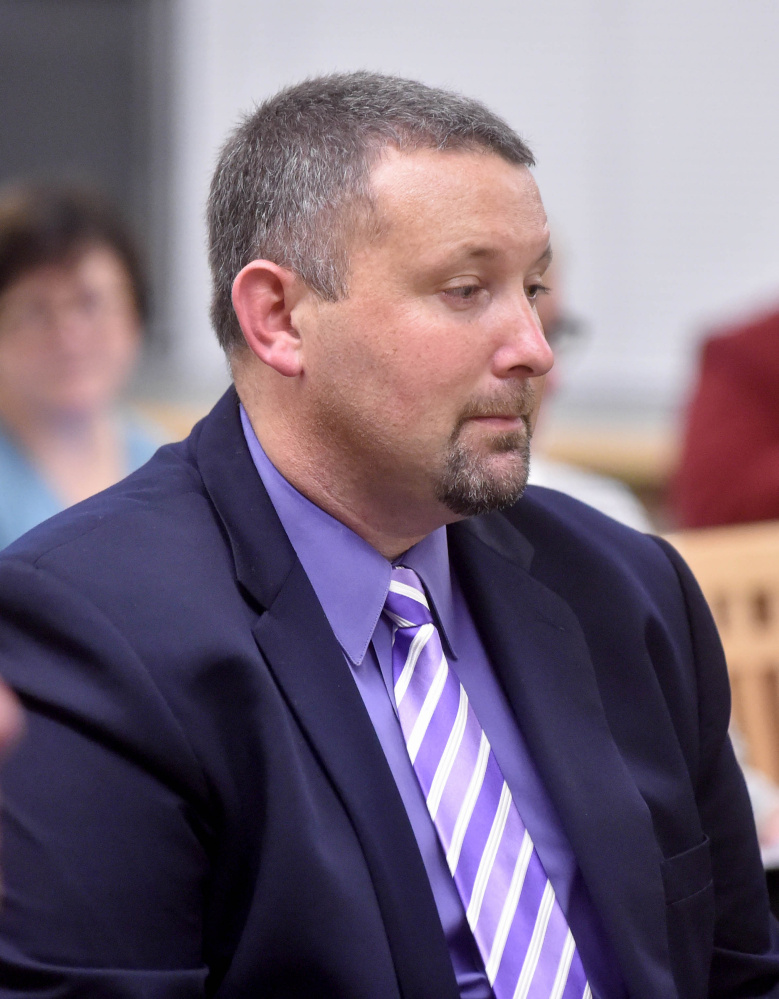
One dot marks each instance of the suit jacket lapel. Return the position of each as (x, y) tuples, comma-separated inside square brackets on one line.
[(538, 650), (301, 651)]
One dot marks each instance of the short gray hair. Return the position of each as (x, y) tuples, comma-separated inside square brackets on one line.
[(292, 183)]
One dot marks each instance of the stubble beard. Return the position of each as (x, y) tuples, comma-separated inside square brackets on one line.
[(469, 483)]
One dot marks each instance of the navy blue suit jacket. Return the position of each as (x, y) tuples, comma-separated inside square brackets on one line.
[(201, 806)]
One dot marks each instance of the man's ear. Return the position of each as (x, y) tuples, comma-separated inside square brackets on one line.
[(263, 297)]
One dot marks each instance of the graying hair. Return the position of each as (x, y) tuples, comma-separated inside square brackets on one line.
[(292, 184)]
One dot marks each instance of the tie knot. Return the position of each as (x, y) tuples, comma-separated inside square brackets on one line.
[(406, 603)]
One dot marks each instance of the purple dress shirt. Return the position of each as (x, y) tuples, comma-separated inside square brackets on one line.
[(351, 580)]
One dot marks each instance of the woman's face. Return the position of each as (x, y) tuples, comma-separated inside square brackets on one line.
[(69, 337)]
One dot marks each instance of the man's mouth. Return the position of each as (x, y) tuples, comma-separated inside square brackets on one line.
[(500, 421), (506, 415), (498, 414), (499, 417)]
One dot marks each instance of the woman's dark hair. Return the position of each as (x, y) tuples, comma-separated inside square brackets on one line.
[(53, 224)]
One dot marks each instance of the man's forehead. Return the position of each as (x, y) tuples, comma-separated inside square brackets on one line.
[(459, 191)]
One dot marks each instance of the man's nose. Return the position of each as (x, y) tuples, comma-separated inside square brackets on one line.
[(524, 352)]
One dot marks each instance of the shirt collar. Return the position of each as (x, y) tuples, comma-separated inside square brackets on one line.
[(350, 578)]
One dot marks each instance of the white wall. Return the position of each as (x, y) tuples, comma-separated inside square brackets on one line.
[(654, 123)]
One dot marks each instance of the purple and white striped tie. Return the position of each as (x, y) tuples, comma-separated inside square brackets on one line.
[(519, 927)]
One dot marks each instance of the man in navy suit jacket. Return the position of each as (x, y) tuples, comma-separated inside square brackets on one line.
[(213, 797)]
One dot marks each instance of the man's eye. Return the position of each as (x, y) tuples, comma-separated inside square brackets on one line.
[(464, 292), (534, 290)]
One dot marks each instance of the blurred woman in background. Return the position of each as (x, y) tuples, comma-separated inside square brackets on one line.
[(73, 302)]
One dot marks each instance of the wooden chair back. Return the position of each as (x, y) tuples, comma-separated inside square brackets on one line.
[(738, 570)]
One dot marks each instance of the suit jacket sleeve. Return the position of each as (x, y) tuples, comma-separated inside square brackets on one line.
[(86, 906)]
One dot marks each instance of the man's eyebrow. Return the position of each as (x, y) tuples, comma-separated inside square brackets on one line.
[(546, 256), (488, 252), (478, 251)]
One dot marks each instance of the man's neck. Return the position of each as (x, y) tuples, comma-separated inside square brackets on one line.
[(383, 521)]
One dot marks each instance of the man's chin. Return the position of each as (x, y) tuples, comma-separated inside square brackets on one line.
[(472, 485)]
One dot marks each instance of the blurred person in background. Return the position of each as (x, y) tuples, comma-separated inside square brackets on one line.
[(729, 467), (606, 494), (73, 301), (613, 497)]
